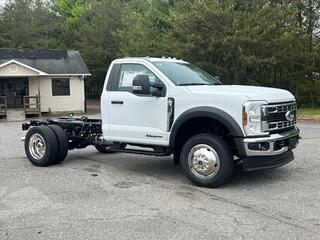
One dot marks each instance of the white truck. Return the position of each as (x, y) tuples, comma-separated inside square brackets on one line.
[(164, 106)]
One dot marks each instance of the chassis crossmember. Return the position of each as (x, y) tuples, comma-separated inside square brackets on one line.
[(84, 131), (81, 132)]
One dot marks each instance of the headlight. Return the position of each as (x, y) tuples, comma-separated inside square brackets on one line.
[(252, 117)]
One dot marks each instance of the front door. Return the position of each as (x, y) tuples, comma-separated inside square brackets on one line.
[(14, 89), (133, 118)]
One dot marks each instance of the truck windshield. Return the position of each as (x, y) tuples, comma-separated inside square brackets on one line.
[(185, 74)]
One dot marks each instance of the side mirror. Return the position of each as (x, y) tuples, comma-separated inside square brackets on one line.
[(141, 85), (157, 89)]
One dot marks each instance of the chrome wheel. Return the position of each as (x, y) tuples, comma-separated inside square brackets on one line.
[(203, 161), (37, 146)]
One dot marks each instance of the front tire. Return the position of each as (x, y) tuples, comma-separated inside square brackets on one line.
[(41, 146), (207, 160)]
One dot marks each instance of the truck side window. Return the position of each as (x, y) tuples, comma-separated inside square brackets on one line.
[(128, 73)]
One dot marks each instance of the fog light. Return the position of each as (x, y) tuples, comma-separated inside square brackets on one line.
[(263, 146), (279, 145)]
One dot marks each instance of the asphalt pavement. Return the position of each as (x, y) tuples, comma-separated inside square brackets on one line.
[(122, 196)]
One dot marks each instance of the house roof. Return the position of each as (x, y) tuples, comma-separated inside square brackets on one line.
[(52, 62)]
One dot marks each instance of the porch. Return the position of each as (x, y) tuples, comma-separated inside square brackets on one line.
[(30, 107), (19, 93)]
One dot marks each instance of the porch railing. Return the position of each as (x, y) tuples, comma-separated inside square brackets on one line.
[(31, 104), (3, 105)]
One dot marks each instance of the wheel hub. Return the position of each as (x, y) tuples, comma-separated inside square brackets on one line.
[(203, 161), (37, 146)]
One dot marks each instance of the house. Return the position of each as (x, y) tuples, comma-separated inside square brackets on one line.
[(42, 81)]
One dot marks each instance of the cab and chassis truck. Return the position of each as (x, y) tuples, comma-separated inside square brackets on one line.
[(165, 106)]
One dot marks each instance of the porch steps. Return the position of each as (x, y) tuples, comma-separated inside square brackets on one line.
[(16, 115)]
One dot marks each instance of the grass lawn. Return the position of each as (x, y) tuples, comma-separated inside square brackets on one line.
[(313, 113)]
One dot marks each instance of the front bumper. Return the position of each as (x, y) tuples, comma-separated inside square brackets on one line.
[(274, 144), (266, 162), (272, 151)]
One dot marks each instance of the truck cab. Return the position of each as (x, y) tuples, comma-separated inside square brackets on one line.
[(165, 106)]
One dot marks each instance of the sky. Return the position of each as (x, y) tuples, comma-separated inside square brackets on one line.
[(2, 2)]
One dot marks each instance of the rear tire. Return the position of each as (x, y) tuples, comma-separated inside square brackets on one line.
[(207, 160), (103, 149), (63, 143), (41, 146)]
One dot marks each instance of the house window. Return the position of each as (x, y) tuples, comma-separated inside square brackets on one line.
[(60, 87)]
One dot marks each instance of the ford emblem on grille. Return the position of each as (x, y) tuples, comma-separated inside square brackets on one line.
[(290, 116)]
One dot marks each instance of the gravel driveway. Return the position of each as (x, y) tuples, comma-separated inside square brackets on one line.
[(122, 196)]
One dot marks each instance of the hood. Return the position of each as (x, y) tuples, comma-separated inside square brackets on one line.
[(271, 95)]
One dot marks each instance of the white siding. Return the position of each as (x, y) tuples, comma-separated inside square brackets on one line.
[(49, 103), (15, 70)]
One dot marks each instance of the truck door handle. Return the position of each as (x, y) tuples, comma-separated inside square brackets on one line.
[(116, 102)]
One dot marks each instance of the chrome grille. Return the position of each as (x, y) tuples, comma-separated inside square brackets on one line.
[(274, 116)]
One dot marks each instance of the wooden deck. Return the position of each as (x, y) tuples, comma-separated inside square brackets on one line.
[(3, 106), (31, 106)]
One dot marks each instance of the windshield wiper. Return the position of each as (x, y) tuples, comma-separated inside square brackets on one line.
[(194, 84)]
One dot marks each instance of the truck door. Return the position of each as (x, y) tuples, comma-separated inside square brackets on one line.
[(133, 118)]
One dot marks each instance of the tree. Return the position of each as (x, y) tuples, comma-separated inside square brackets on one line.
[(70, 13), (70, 10), (144, 24), (262, 42), (27, 24), (96, 40), (309, 22)]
